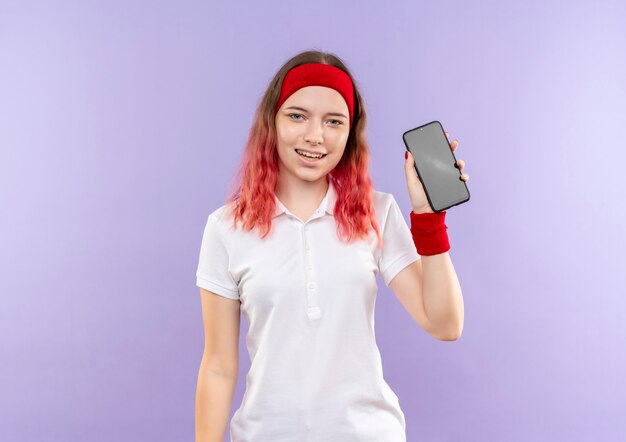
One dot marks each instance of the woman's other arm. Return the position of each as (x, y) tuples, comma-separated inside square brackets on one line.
[(217, 377)]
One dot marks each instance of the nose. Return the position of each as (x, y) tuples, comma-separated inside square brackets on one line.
[(314, 134)]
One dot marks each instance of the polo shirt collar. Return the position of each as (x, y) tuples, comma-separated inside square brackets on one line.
[(327, 204)]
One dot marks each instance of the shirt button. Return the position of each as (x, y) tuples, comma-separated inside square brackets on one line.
[(311, 285), (314, 313)]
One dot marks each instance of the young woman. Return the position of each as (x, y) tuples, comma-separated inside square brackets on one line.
[(296, 249)]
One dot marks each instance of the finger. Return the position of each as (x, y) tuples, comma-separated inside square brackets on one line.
[(454, 144), (409, 170), (460, 164), (409, 160)]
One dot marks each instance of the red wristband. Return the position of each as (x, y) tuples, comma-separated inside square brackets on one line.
[(429, 233)]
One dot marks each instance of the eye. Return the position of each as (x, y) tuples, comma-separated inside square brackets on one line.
[(336, 122)]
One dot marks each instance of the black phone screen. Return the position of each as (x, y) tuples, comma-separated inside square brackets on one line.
[(435, 166)]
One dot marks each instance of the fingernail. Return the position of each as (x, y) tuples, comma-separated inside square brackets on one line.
[(406, 155)]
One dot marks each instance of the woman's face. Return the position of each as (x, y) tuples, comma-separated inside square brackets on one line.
[(313, 119)]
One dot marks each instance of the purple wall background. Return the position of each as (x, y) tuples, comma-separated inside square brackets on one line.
[(121, 126)]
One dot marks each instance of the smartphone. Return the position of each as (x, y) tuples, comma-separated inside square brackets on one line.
[(435, 165)]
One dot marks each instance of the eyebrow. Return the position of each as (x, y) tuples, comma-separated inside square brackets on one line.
[(336, 114)]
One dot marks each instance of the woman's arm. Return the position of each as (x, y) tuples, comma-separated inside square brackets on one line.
[(214, 396), (217, 377), (443, 298), (430, 292)]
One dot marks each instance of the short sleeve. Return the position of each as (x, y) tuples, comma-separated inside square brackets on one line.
[(213, 271), (398, 249)]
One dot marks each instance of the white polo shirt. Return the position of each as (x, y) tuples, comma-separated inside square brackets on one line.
[(316, 372)]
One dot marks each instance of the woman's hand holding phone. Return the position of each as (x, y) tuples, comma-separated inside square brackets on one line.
[(419, 201)]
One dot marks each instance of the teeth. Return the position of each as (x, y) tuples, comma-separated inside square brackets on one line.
[(305, 154)]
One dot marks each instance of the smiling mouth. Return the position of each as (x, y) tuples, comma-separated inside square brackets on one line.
[(310, 156)]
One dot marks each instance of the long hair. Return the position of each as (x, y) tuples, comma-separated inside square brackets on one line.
[(252, 198)]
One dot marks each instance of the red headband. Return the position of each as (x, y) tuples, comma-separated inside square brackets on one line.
[(318, 74)]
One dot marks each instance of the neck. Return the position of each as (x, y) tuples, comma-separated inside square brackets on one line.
[(299, 195)]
